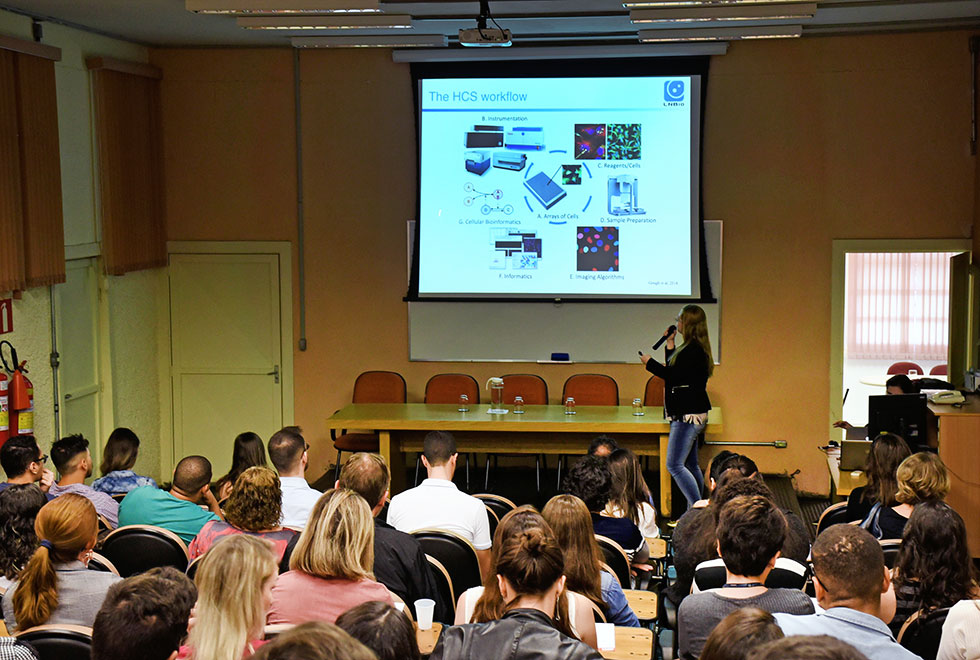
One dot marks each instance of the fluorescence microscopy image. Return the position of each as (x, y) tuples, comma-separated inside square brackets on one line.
[(590, 141), (598, 248), (623, 142), (571, 175)]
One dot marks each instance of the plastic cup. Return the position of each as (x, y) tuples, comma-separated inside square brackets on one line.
[(424, 608)]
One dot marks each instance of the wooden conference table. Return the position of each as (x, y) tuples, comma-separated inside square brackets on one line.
[(959, 447), (540, 430)]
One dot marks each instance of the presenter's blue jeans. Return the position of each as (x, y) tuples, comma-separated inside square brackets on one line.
[(682, 459)]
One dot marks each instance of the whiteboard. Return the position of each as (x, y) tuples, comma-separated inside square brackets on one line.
[(531, 332)]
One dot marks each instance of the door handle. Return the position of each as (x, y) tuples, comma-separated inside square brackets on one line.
[(274, 372)]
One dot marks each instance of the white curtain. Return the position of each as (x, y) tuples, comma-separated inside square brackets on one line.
[(897, 305)]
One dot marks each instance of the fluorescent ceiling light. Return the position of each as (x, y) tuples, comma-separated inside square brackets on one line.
[(382, 41), (330, 22), (754, 12), (730, 33), (644, 4), (282, 7)]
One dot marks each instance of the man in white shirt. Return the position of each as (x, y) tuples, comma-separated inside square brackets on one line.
[(288, 452), (436, 503)]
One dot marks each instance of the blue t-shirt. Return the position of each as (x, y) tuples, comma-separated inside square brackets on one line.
[(152, 506), (620, 530), (618, 609), (6, 484), (121, 481)]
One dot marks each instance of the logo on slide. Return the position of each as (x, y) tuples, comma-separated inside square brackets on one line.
[(673, 91)]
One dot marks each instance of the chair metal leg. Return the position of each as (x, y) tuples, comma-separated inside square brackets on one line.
[(486, 477), (467, 473), (558, 486), (418, 460), (537, 471), (336, 476)]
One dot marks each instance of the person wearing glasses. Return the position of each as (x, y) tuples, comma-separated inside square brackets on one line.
[(288, 452), (23, 463)]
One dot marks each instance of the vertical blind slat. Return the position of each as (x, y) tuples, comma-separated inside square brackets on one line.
[(11, 206)]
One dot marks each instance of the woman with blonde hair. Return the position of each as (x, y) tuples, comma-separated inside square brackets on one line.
[(572, 615), (234, 589), (254, 508), (685, 372), (331, 566), (921, 477), (56, 585), (118, 459), (572, 523)]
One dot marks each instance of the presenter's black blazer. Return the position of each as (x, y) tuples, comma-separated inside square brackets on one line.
[(684, 381)]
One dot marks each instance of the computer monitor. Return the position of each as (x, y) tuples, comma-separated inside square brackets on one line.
[(902, 414)]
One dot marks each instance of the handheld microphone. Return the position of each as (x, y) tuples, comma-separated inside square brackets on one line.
[(671, 330)]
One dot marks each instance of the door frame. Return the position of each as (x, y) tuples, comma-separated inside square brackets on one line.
[(838, 285), (284, 250)]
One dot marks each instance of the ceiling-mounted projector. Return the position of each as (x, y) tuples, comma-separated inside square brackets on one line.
[(484, 37), (481, 35)]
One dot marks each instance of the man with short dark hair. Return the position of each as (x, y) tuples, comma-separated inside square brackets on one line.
[(179, 509), (750, 531), (854, 588), (288, 452), (74, 462), (23, 463), (399, 561), (437, 503), (144, 616)]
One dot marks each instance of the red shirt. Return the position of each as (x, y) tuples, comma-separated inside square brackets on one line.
[(187, 653), (298, 597)]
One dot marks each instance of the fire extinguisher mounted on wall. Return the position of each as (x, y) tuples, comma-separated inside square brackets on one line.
[(20, 396)]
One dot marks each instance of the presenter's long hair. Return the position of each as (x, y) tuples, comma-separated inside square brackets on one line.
[(696, 330)]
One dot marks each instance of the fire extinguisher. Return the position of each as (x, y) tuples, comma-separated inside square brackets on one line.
[(20, 395), (4, 410)]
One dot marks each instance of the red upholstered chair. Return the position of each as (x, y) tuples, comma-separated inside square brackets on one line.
[(446, 388), (534, 390), (370, 387), (591, 390), (904, 368), (939, 370), (654, 394)]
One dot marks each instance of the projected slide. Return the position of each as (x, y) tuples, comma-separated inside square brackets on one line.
[(558, 187)]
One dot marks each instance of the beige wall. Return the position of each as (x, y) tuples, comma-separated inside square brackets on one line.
[(805, 141)]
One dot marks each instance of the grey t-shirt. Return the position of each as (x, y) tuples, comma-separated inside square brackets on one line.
[(80, 595), (700, 613)]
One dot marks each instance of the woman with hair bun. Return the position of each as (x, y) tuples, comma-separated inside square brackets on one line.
[(528, 573), (56, 585)]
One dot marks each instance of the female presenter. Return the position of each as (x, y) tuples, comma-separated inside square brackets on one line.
[(686, 404)]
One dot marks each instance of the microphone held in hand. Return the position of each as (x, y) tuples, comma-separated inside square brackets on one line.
[(670, 333)]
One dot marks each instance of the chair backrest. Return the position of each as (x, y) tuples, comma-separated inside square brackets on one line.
[(100, 563), (455, 553), (499, 505), (890, 548), (119, 497), (379, 387), (904, 368), (597, 614), (492, 519), (192, 567), (653, 396), (939, 370), (59, 641), (591, 390), (832, 515), (446, 388), (444, 586), (787, 574), (530, 387), (137, 548), (922, 632), (616, 559)]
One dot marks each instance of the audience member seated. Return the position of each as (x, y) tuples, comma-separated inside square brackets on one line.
[(74, 463), (590, 480), (897, 384), (528, 572), (19, 505), (399, 561), (315, 640), (330, 569), (573, 616), (570, 520), (630, 495), (886, 454), (288, 453), (234, 585), (23, 463), (383, 629), (718, 465), (751, 530), (56, 585), (144, 616), (739, 633), (437, 503), (810, 647), (254, 508), (934, 568), (921, 477), (247, 452), (118, 460), (602, 446), (854, 589), (961, 632)]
